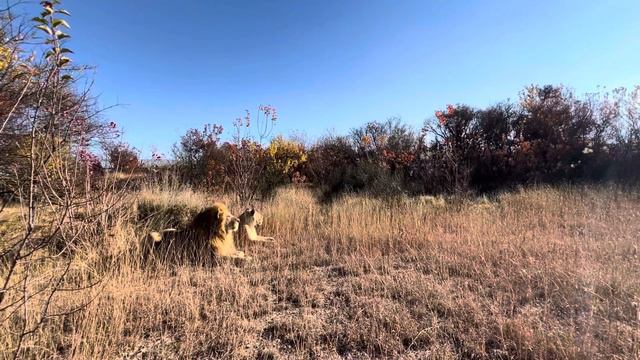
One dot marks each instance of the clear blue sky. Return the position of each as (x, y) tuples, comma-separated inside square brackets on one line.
[(333, 65)]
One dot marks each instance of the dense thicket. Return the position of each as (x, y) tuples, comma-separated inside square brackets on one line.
[(548, 136)]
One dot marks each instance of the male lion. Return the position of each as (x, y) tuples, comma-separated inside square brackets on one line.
[(217, 225), (249, 219), (211, 229)]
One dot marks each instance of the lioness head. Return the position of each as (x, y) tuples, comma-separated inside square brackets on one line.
[(251, 217)]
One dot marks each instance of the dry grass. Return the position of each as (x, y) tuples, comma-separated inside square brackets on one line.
[(545, 273)]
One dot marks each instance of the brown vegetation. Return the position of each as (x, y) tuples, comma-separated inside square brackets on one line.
[(550, 136), (544, 273)]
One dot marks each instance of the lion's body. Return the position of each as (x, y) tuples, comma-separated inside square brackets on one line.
[(210, 232)]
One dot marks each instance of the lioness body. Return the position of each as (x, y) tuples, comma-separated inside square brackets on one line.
[(249, 220)]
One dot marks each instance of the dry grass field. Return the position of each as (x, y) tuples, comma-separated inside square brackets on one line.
[(544, 273)]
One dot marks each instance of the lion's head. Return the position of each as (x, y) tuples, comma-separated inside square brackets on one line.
[(232, 223), (216, 220), (228, 222)]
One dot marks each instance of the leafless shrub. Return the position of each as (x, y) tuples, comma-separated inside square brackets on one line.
[(48, 133)]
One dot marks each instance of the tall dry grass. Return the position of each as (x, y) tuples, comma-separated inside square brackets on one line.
[(543, 273)]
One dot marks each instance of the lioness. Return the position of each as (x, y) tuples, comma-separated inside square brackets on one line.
[(249, 219)]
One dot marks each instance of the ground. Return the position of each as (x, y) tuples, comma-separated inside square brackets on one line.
[(540, 273)]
